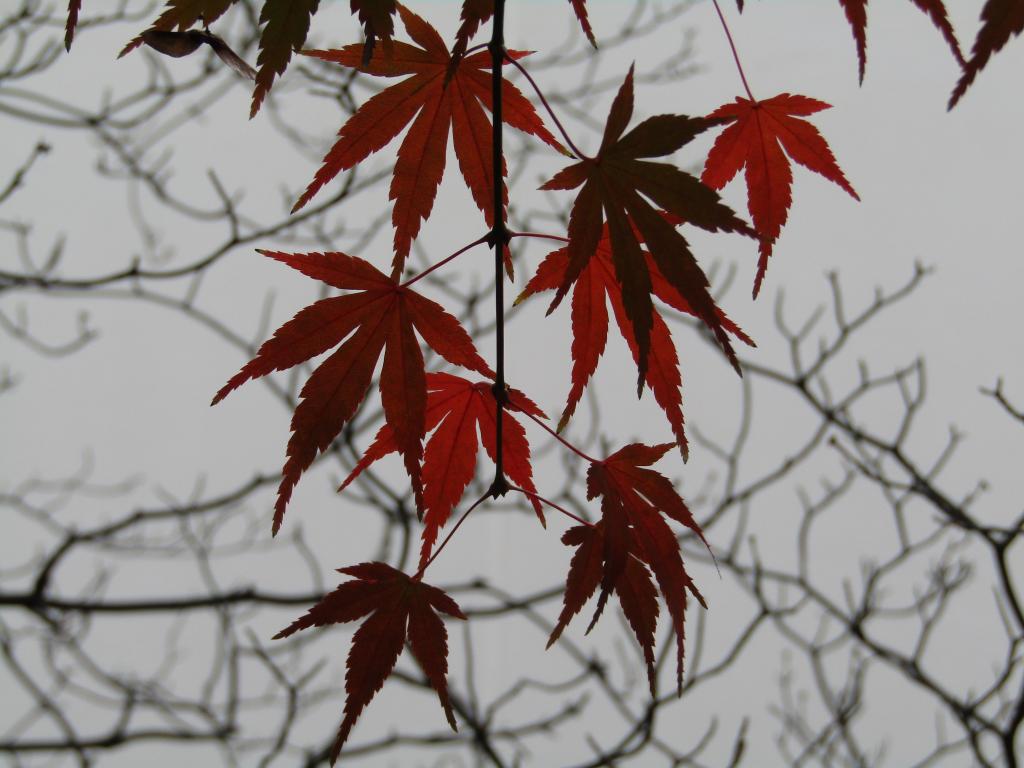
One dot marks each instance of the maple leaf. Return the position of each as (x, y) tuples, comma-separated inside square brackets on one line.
[(612, 185), (396, 608), (432, 109), (377, 21), (632, 537), (857, 15), (590, 328), (180, 44), (456, 409), (182, 15), (476, 12), (74, 7), (378, 316), (285, 26), (759, 138), (999, 20)]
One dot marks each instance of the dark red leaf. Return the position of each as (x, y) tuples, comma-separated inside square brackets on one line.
[(422, 102), (74, 7), (376, 18), (632, 537), (590, 328), (379, 316), (397, 607), (287, 24), (476, 12), (999, 20), (614, 185)]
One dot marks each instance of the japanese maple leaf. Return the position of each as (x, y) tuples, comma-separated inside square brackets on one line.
[(476, 12), (590, 328), (432, 109), (456, 409), (999, 20), (378, 316), (377, 21), (613, 185), (759, 138), (397, 608), (74, 7), (857, 14), (285, 26), (631, 537)]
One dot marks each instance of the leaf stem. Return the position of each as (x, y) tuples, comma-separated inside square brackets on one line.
[(498, 240), (561, 439), (540, 235), (735, 55), (540, 94), (552, 504), (444, 542), (445, 260)]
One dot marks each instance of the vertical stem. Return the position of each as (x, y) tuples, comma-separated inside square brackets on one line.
[(499, 239), (732, 45)]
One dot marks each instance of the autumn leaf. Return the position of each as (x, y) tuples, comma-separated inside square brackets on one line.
[(376, 18), (857, 15), (590, 328), (476, 12), (759, 137), (614, 184), (433, 110), (397, 608), (181, 15), (456, 409), (180, 44), (999, 20), (74, 7), (631, 540), (377, 316), (285, 26)]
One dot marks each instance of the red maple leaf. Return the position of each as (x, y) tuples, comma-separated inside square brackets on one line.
[(857, 14), (456, 408), (379, 315), (632, 537), (377, 21), (398, 608), (432, 109), (999, 20), (590, 328), (614, 184), (476, 12), (285, 26), (74, 7), (760, 136)]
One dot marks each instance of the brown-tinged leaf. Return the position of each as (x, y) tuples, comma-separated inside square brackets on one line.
[(378, 316), (616, 186), (431, 110), (590, 328), (1000, 19), (397, 608)]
